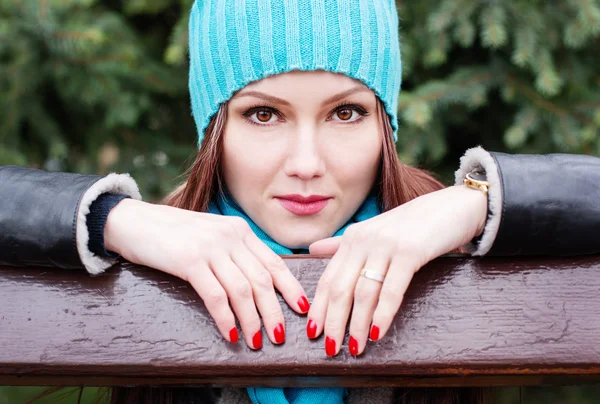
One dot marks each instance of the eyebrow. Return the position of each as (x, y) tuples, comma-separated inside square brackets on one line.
[(277, 100)]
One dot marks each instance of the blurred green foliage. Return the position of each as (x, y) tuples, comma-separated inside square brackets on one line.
[(500, 395), (68, 395), (519, 76), (94, 86)]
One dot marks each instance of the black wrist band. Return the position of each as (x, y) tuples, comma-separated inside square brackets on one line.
[(96, 220)]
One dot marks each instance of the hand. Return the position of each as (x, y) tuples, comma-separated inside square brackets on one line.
[(220, 256), (395, 244)]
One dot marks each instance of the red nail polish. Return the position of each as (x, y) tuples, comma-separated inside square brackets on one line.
[(311, 329), (257, 340), (353, 346), (329, 346), (374, 336), (279, 334), (303, 304), (233, 335)]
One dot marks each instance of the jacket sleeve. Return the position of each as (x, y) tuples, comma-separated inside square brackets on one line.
[(43, 216), (537, 204)]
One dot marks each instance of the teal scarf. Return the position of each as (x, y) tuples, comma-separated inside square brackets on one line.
[(226, 205)]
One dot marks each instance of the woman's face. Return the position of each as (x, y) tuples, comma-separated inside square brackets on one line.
[(308, 134)]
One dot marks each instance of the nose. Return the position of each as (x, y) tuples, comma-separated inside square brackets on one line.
[(305, 157)]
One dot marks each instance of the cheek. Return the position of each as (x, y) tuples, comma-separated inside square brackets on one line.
[(246, 165), (355, 162)]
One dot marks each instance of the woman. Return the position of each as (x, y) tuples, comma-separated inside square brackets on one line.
[(295, 104)]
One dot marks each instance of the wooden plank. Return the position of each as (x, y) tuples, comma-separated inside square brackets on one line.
[(464, 321)]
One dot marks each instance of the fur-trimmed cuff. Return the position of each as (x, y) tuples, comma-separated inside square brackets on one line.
[(114, 184), (477, 157)]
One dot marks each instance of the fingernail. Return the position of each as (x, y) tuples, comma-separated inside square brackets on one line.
[(311, 329), (374, 335), (233, 335), (257, 340), (329, 346), (303, 304), (279, 334), (353, 346)]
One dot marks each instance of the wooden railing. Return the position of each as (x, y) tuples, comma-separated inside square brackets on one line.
[(464, 321)]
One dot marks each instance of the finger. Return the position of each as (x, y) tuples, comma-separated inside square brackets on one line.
[(215, 299), (264, 292), (318, 309), (240, 294), (366, 295), (341, 295), (327, 246), (400, 273), (283, 280)]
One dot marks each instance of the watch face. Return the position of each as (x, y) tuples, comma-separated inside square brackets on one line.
[(478, 175)]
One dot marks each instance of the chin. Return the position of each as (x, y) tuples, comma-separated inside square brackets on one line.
[(299, 238)]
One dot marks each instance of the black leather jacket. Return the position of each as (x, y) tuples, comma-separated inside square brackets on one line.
[(43, 216), (551, 205), (538, 204), (38, 216)]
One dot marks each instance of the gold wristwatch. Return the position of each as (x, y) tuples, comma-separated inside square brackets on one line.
[(477, 179)]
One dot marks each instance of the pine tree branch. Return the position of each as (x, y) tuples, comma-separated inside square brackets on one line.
[(528, 120), (104, 59), (149, 77), (158, 83), (75, 35), (564, 127), (43, 9), (588, 105), (545, 104), (440, 94)]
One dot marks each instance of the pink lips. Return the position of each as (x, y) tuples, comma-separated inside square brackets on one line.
[(303, 205)]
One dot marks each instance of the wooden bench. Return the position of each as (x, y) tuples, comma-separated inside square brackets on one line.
[(464, 322)]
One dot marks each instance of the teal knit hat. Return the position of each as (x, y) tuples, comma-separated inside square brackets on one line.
[(235, 42)]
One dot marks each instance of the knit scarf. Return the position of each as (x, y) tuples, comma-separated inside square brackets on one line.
[(226, 205)]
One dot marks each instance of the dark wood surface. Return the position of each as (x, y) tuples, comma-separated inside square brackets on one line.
[(464, 321)]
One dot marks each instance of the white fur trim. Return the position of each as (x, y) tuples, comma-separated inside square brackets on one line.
[(478, 157), (114, 184)]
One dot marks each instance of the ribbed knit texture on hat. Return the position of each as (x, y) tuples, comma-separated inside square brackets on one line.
[(235, 42)]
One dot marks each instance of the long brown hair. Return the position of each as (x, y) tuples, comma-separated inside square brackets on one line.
[(396, 183)]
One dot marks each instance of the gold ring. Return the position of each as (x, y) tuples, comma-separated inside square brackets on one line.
[(372, 275)]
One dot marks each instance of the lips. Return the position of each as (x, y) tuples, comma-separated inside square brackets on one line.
[(303, 205)]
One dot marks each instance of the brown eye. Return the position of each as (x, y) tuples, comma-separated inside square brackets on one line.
[(344, 114), (264, 116)]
